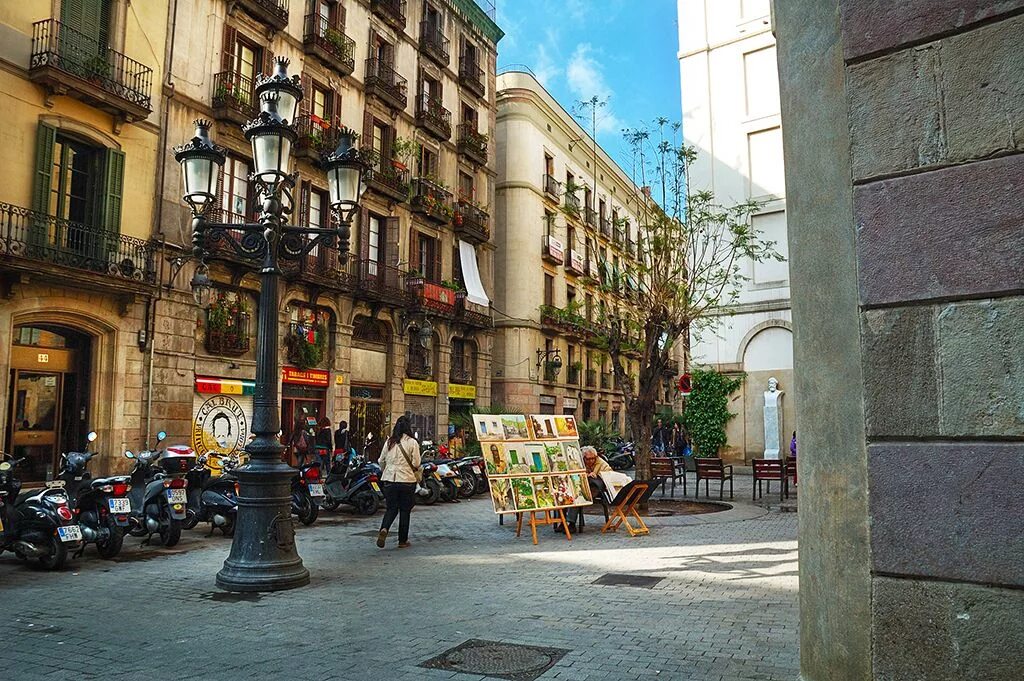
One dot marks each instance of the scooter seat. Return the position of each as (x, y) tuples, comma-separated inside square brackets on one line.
[(99, 482)]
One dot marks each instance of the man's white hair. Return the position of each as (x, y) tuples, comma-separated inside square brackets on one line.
[(589, 450)]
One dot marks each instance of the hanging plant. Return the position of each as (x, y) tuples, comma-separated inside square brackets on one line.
[(305, 354), (707, 410)]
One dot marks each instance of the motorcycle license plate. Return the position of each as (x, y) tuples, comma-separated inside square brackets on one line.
[(119, 505), (457, 481), (177, 496), (70, 533), (375, 486), (316, 489)]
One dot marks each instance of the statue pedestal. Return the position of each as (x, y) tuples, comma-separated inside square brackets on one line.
[(773, 444)]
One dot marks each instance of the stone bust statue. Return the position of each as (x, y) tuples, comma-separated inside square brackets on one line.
[(773, 384)]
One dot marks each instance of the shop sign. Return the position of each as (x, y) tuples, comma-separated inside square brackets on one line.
[(416, 387), (555, 248), (224, 386), (548, 400), (220, 424), (576, 261), (461, 392), (315, 377), (569, 403)]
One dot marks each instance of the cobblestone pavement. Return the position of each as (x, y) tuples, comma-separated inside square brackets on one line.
[(725, 609)]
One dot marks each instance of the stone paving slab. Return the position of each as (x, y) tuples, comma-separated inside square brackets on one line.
[(726, 607)]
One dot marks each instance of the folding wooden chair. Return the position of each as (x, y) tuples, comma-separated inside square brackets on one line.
[(624, 506)]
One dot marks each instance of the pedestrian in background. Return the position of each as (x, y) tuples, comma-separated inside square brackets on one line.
[(342, 439), (400, 461), (323, 444), (299, 442)]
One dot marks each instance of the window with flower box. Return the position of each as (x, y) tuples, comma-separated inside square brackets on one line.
[(227, 324), (307, 340)]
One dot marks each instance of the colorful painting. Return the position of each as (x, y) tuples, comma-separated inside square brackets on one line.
[(488, 427), (565, 426), (501, 496), (563, 490), (537, 426), (557, 462), (517, 457), (538, 457), (542, 491), (573, 456), (515, 427), (495, 458), (581, 487), (522, 490)]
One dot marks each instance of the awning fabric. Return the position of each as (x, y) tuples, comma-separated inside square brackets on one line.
[(471, 275)]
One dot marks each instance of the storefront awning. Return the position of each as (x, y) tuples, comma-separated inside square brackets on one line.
[(471, 275), (224, 386)]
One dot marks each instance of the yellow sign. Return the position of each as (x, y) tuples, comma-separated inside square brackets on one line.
[(461, 392), (414, 387), (339, 379)]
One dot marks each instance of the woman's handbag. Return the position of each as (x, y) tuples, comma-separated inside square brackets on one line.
[(418, 472)]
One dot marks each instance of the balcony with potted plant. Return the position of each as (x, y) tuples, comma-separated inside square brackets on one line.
[(471, 221), (591, 378), (387, 177), (316, 136), (572, 202), (233, 99), (432, 201), (551, 370), (391, 11), (227, 326), (273, 13), (433, 117), (432, 297), (573, 375), (383, 82), (307, 339), (472, 143), (434, 44), (66, 61), (326, 40)]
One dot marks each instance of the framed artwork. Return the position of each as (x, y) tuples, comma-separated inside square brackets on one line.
[(581, 488), (557, 462), (517, 457), (542, 492), (494, 458), (563, 490), (573, 456), (515, 427), (538, 457), (501, 496), (488, 427), (565, 426), (523, 495)]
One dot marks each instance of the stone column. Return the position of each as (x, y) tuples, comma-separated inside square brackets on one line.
[(905, 185)]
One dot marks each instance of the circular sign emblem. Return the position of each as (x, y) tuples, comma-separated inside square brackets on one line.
[(220, 427)]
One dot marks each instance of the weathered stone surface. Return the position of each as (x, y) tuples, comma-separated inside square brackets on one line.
[(874, 25), (937, 631), (981, 362), (949, 510), (983, 84), (955, 231), (895, 118), (901, 394)]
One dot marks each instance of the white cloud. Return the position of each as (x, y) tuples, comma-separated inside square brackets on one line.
[(585, 77), (544, 66)]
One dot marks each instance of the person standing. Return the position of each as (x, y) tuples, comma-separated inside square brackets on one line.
[(299, 442), (400, 461), (342, 439), (323, 444), (659, 438)]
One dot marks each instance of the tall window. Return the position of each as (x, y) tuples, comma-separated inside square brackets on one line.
[(469, 116), (73, 179), (549, 290), (373, 236), (235, 194), (549, 223), (319, 106), (549, 165), (426, 256), (466, 190), (570, 295), (570, 237), (427, 163)]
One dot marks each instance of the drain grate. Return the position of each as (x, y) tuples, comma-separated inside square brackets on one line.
[(511, 661), (231, 597), (640, 581)]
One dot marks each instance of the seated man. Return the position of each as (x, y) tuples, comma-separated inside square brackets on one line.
[(595, 466)]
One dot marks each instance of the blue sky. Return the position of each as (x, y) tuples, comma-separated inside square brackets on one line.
[(622, 50)]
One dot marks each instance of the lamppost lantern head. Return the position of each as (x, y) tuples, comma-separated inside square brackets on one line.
[(556, 363), (287, 92), (345, 173), (271, 140), (201, 284), (425, 334), (200, 161)]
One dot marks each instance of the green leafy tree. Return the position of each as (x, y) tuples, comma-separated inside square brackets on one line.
[(707, 410)]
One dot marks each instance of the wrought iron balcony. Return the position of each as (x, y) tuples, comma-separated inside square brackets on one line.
[(391, 11), (573, 376), (382, 283), (591, 378), (233, 98), (417, 365), (471, 76), (606, 381), (230, 341), (552, 187), (434, 44), (384, 178), (431, 297), (606, 226), (433, 117), (328, 41), (472, 314), (459, 373), (551, 372), (66, 61), (472, 143), (572, 203), (41, 243), (316, 136), (618, 235), (382, 81), (471, 222), (271, 12), (552, 250), (322, 267), (431, 201), (575, 262), (590, 216)]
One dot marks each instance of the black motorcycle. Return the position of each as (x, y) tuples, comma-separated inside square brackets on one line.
[(213, 499), (102, 505), (36, 524), (307, 493), (158, 498), (353, 481)]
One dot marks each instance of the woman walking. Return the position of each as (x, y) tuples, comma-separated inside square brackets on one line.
[(400, 460)]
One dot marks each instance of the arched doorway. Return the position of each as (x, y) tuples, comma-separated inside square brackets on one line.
[(48, 398)]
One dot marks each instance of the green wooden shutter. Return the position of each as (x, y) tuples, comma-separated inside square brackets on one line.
[(113, 182), (39, 228)]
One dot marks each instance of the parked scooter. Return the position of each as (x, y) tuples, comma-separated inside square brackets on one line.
[(36, 524), (213, 499), (353, 481), (307, 493), (102, 505), (622, 457), (158, 495), (429, 491), (445, 474)]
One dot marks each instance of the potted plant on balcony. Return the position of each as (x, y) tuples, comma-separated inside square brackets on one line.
[(415, 278), (227, 325), (307, 345), (336, 39), (403, 152)]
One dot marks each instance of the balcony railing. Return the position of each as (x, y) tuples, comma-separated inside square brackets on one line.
[(471, 222), (417, 365), (572, 202), (65, 60), (384, 178), (434, 44), (471, 76), (316, 136), (472, 314), (590, 215), (575, 262), (551, 372), (271, 12), (323, 266), (391, 11), (552, 250), (472, 143), (382, 81), (573, 376), (232, 340), (618, 235), (433, 117), (431, 201), (591, 378), (30, 237), (460, 372), (431, 297), (380, 282), (606, 226), (630, 248), (606, 381), (328, 41), (552, 187), (233, 98)]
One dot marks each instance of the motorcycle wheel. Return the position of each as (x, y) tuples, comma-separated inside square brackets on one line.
[(229, 528), (170, 534), (449, 492), (481, 483), (56, 558), (366, 503), (468, 487), (331, 504), (434, 487), (307, 516), (191, 519), (115, 539)]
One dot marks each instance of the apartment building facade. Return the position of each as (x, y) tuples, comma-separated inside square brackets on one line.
[(566, 229), (730, 103)]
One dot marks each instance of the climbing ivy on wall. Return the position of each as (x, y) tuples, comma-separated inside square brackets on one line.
[(707, 410)]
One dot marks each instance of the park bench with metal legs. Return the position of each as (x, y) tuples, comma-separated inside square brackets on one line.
[(709, 469), (767, 471), (665, 470)]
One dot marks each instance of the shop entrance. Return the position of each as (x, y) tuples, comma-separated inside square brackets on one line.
[(367, 416), (47, 411), (301, 403)]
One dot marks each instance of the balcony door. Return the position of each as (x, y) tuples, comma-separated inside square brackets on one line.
[(85, 32)]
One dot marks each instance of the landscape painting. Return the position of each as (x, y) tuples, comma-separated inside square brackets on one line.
[(581, 488), (542, 490), (522, 492), (515, 427), (501, 496)]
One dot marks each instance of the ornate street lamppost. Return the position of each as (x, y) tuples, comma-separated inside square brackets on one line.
[(263, 555)]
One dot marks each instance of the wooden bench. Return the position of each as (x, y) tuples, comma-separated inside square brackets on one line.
[(768, 471), (664, 470), (712, 469)]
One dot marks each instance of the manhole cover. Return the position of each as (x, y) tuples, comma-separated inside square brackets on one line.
[(499, 660), (231, 597), (640, 581)]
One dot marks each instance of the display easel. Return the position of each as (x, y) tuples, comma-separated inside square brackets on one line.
[(549, 516)]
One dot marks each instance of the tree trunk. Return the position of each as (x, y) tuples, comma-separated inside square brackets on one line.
[(639, 413)]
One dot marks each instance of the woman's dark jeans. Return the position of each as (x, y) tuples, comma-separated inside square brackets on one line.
[(399, 497)]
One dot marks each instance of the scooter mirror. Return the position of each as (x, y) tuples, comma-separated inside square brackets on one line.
[(128, 454), (91, 437), (161, 436)]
